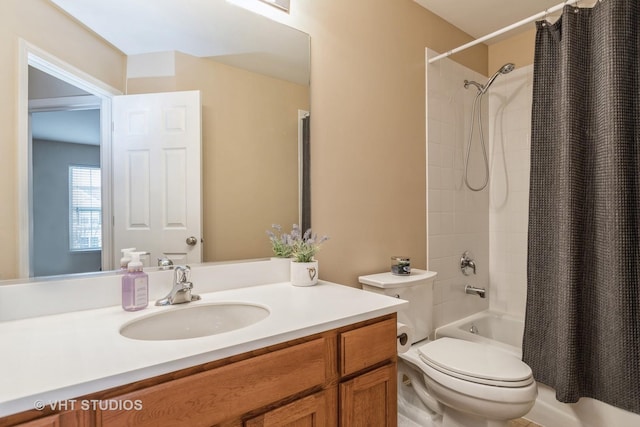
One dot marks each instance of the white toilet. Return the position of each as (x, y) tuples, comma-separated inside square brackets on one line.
[(469, 384)]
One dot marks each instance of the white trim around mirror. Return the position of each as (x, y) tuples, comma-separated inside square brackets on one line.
[(30, 55), (301, 115)]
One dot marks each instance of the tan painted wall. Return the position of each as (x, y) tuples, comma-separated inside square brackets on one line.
[(518, 49), (250, 152), (368, 129), (42, 25)]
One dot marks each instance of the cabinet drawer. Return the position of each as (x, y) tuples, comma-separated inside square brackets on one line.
[(211, 397), (367, 346)]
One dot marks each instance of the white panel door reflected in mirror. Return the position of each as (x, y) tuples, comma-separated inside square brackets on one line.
[(156, 175)]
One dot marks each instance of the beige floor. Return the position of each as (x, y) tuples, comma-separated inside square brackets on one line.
[(521, 422)]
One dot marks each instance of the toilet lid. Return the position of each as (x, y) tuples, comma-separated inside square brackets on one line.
[(475, 362)]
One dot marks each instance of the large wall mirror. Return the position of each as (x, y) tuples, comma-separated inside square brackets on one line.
[(254, 108)]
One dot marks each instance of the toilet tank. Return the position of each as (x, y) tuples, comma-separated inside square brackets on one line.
[(416, 288)]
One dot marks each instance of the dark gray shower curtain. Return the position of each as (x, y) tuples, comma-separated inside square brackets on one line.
[(582, 328)]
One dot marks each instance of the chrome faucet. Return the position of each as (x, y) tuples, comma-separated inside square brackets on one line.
[(165, 263), (468, 289), (181, 291)]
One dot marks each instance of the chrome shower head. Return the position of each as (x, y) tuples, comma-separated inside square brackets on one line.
[(506, 68)]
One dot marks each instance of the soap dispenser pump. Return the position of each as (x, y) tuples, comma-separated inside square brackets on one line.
[(126, 259), (135, 285)]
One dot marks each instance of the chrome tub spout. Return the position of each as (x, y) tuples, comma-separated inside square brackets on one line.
[(472, 290)]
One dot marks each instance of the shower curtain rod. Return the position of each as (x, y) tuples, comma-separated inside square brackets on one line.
[(504, 30)]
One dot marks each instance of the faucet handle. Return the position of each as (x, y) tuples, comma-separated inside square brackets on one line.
[(165, 263), (182, 273), (466, 261), (181, 291)]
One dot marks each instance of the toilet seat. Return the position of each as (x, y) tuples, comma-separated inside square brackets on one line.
[(479, 392), (475, 362)]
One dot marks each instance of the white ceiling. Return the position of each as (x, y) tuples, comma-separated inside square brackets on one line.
[(231, 34), (77, 127), (204, 28), (481, 17)]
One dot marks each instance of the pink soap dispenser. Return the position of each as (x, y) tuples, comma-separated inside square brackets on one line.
[(135, 285)]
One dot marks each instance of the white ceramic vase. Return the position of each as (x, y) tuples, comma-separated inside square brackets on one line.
[(304, 273)]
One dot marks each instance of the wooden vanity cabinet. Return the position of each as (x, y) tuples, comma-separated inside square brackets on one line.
[(370, 397), (344, 377)]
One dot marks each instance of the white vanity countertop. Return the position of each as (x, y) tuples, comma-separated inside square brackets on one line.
[(54, 358)]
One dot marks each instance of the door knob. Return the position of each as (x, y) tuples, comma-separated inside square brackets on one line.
[(191, 241)]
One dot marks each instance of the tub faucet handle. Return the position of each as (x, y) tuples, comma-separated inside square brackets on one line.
[(466, 261)]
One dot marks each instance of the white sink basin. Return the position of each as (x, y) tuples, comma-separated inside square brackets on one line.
[(193, 321)]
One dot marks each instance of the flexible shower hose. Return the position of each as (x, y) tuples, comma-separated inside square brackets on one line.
[(482, 144)]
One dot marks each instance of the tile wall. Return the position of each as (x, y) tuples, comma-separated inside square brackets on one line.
[(458, 219), (509, 132), (492, 223)]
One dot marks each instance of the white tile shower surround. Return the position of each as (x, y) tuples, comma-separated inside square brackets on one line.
[(509, 132), (458, 218), (492, 223)]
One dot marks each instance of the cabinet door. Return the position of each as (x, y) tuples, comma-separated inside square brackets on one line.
[(50, 421), (75, 418), (310, 411), (370, 399)]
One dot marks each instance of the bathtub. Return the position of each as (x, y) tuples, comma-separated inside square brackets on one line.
[(505, 331), (498, 329)]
